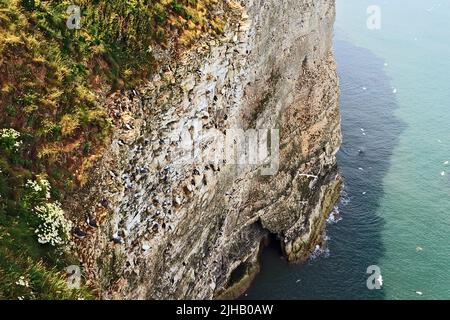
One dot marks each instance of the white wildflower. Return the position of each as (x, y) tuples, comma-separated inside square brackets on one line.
[(11, 138), (54, 227), (39, 186), (23, 282), (9, 133)]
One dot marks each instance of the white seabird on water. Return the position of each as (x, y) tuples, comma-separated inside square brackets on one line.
[(443, 173), (419, 293), (394, 90), (446, 162)]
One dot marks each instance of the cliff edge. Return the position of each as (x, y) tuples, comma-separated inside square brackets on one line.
[(178, 215)]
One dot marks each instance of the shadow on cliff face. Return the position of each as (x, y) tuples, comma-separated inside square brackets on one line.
[(371, 132)]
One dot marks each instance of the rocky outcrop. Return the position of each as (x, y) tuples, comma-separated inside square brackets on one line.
[(183, 209)]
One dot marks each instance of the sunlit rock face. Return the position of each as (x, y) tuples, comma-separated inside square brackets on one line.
[(182, 211)]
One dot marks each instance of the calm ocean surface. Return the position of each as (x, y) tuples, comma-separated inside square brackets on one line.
[(395, 105)]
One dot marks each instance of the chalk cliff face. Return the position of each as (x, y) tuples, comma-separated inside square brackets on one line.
[(175, 224)]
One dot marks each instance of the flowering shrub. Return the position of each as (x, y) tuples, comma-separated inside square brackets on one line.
[(10, 139), (54, 228)]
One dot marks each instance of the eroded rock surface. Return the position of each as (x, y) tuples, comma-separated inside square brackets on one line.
[(173, 224)]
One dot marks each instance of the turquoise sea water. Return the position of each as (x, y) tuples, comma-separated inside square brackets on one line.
[(395, 103)]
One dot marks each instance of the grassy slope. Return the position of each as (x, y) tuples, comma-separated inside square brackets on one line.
[(51, 83)]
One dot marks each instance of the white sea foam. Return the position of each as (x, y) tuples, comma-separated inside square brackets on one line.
[(345, 198), (334, 217), (320, 252)]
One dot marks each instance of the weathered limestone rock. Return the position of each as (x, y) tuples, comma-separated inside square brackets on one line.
[(193, 228)]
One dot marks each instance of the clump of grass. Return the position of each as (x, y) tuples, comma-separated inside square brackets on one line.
[(25, 272)]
